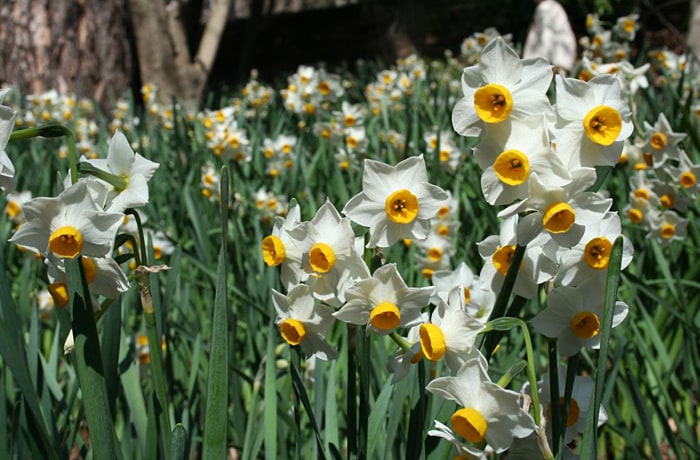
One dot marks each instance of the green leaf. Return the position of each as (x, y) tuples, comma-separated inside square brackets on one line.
[(589, 444), (216, 421)]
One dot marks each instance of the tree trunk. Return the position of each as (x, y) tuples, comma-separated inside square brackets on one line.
[(166, 61), (694, 28), (79, 46)]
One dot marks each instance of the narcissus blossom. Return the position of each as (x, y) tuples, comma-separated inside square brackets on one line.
[(303, 321), (68, 225), (593, 121), (384, 302), (574, 316), (134, 171), (486, 411), (7, 123), (499, 88), (396, 202)]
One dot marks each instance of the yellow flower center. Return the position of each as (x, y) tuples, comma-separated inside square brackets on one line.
[(59, 293), (502, 257), (273, 251), (401, 207), (432, 341), (467, 295), (469, 424), (385, 316), (642, 194), (435, 254), (321, 258), (602, 125), (493, 103), (349, 120), (66, 242), (558, 218), (658, 141), (688, 179), (13, 209), (293, 331), (427, 273), (444, 156), (573, 413), (597, 253), (666, 201), (443, 212), (667, 230), (512, 167), (585, 325), (90, 269), (324, 88), (635, 215)]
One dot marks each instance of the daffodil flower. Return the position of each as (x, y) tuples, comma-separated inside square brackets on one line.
[(574, 316), (460, 449), (497, 252), (668, 226), (384, 302), (562, 212), (581, 399), (7, 123), (131, 173), (510, 153), (591, 255), (103, 275), (593, 121), (501, 87), (396, 202), (68, 225), (305, 322), (330, 258), (661, 142), (486, 411), (278, 249), (451, 332)]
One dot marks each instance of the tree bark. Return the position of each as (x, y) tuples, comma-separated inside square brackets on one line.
[(166, 61), (79, 46)]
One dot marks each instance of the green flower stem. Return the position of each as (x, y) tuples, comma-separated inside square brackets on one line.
[(118, 182), (504, 324), (400, 341), (52, 130), (143, 282), (499, 308), (554, 393)]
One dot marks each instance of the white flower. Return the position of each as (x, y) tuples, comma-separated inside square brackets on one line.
[(574, 316), (278, 248), (593, 121), (661, 141), (562, 212), (497, 252), (501, 87), (132, 168), (451, 332), (581, 399), (459, 448), (396, 202), (303, 321), (68, 225), (330, 258), (510, 153), (7, 123), (384, 302), (487, 411), (590, 256)]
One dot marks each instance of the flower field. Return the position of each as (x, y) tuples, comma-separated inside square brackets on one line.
[(409, 261)]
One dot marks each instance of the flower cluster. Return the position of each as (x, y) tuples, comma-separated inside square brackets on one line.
[(83, 220)]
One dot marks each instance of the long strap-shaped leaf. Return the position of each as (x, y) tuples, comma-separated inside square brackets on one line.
[(589, 444), (217, 384), (88, 363)]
